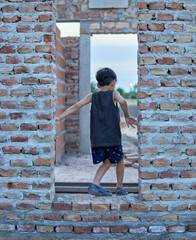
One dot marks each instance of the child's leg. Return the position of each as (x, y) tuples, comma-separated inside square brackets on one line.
[(120, 173), (101, 171)]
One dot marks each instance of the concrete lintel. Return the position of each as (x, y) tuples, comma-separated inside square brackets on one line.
[(108, 4)]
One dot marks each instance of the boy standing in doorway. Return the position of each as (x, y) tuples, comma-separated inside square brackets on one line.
[(105, 131)]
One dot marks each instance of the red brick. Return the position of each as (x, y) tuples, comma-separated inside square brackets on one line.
[(80, 207), (29, 173), (163, 186), (188, 174), (168, 174), (143, 5), (12, 60), (142, 71), (42, 92), (43, 69), (161, 162), (23, 28), (53, 216), (193, 207), (143, 106), (10, 81), (142, 27), (156, 6), (167, 61), (159, 208), (119, 229), (82, 230), (111, 218), (43, 116), (8, 8), (93, 218), (29, 81), (12, 19), (64, 229), (146, 38), (9, 127), (139, 207), (165, 17), (187, 106), (61, 206), (143, 49), (35, 217), (152, 151), (35, 59), (44, 48), (156, 27), (19, 93), (7, 49), (21, 69), (42, 162), (174, 6), (148, 175), (28, 104), (28, 127), (100, 207), (158, 49), (5, 206), (25, 49), (174, 28), (33, 151), (3, 92), (44, 7), (11, 150), (188, 83)]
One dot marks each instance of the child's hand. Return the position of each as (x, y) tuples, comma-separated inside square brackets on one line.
[(131, 121)]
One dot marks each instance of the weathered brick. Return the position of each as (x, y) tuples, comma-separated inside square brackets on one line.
[(156, 6), (64, 229), (148, 175), (82, 230), (100, 207), (26, 228), (119, 229), (101, 230)]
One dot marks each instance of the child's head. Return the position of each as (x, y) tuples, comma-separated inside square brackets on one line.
[(105, 76)]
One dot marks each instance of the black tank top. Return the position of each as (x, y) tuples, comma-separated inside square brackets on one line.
[(105, 120)]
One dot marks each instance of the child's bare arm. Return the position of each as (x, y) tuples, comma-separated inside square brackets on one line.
[(129, 120), (74, 108)]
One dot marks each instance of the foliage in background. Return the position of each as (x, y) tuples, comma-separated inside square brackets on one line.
[(131, 94)]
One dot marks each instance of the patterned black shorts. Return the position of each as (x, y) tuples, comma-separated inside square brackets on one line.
[(100, 154)]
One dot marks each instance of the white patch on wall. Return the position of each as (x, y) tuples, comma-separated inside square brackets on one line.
[(108, 4), (69, 29)]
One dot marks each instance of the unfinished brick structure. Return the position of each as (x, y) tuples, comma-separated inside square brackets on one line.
[(165, 207)]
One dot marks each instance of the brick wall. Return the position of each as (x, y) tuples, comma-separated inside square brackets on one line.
[(165, 208), (102, 20), (61, 93), (27, 93), (72, 92)]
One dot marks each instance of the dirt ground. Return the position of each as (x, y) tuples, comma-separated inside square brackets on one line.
[(79, 168)]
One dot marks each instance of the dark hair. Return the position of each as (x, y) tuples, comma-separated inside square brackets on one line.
[(105, 76)]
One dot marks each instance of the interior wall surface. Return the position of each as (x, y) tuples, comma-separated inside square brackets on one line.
[(165, 207), (61, 136)]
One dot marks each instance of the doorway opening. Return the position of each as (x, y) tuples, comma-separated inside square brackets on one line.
[(122, 50)]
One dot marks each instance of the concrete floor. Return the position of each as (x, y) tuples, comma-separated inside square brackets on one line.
[(81, 169)]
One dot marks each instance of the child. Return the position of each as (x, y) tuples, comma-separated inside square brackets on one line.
[(105, 131)]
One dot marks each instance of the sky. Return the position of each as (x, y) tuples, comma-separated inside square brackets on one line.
[(116, 51)]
